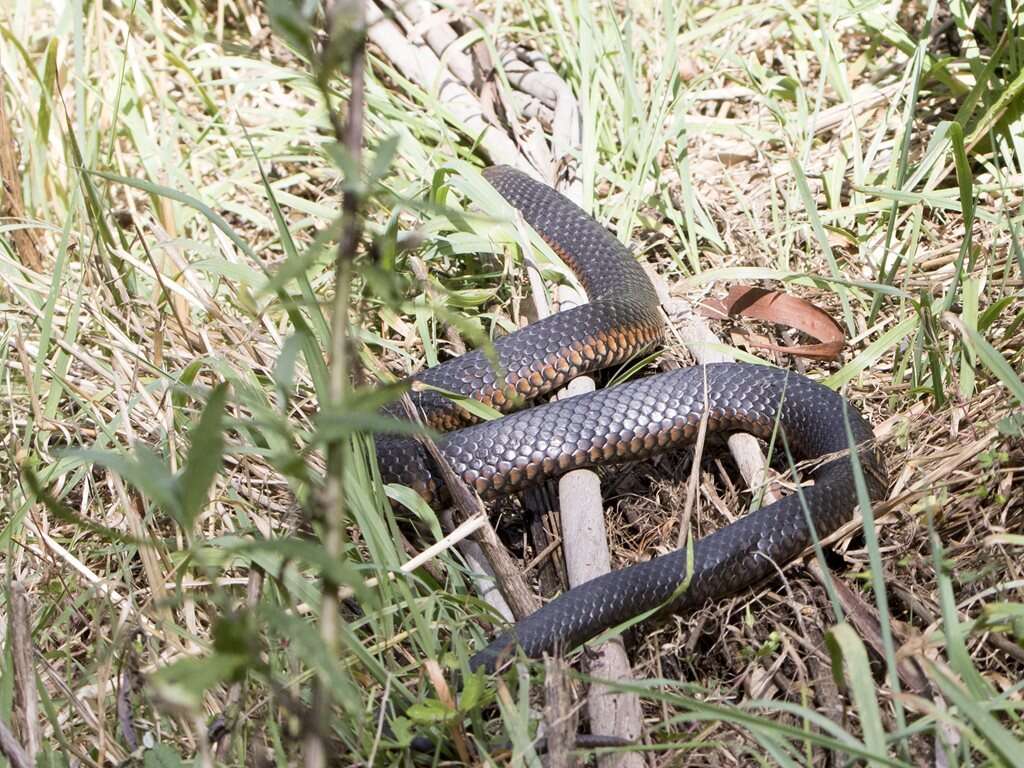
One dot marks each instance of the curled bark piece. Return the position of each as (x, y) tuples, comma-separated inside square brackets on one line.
[(530, 73), (781, 309), (544, 86)]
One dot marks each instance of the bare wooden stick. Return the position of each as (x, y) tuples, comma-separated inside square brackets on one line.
[(11, 749), (584, 536), (690, 330), (585, 546), (581, 504), (558, 715), (465, 529), (482, 573), (26, 699)]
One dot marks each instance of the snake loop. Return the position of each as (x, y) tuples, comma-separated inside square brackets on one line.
[(624, 423)]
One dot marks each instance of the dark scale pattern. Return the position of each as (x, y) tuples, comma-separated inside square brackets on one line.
[(624, 423), (602, 263), (540, 358), (621, 320), (633, 421)]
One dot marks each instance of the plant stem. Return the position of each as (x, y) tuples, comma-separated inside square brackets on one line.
[(350, 134)]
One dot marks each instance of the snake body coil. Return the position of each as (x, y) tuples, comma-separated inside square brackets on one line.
[(624, 423)]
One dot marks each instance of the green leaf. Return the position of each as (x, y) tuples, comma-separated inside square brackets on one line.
[(146, 472), (402, 731), (374, 397), (49, 78), (294, 23), (184, 682), (346, 30), (430, 712), (472, 692), (474, 407), (822, 238), (337, 424), (957, 652), (162, 756), (179, 396), (318, 328), (469, 298), (995, 735), (381, 162), (965, 184), (284, 369), (240, 273), (1008, 94), (992, 359), (993, 311), (297, 264), (235, 634), (1004, 612), (964, 177), (845, 646), (1012, 539), (872, 352), (416, 504), (158, 190), (204, 458), (1012, 425), (272, 555), (969, 316)]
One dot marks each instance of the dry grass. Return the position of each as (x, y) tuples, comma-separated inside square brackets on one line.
[(807, 149)]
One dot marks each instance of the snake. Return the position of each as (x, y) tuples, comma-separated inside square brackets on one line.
[(638, 419)]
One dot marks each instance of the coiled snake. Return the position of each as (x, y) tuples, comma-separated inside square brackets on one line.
[(623, 423)]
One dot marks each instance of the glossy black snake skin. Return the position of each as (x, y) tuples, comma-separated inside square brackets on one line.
[(624, 423)]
